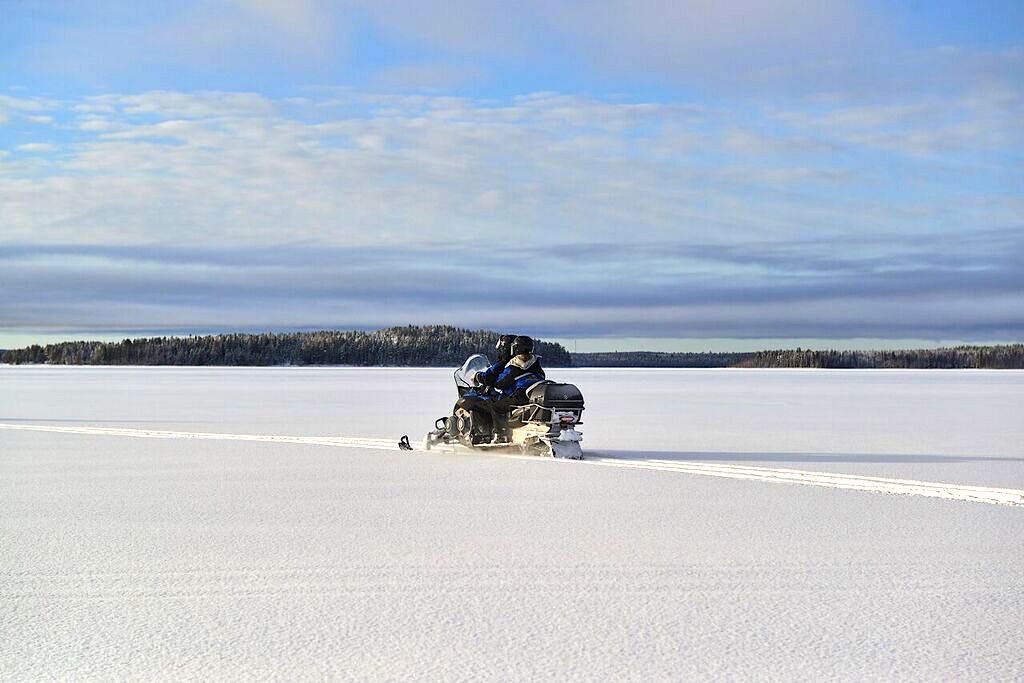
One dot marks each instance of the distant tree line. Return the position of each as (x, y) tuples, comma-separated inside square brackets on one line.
[(430, 345), (1007, 356), (446, 346)]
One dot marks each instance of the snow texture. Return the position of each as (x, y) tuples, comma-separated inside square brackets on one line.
[(229, 523)]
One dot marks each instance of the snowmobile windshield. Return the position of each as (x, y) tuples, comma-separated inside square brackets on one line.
[(474, 364)]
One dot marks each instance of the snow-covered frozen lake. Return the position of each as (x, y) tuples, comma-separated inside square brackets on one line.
[(726, 523)]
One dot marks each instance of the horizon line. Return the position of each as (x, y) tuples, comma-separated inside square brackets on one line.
[(10, 340)]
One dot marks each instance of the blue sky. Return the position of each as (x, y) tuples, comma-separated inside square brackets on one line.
[(643, 174)]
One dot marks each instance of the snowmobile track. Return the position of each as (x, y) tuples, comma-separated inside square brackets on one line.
[(978, 494)]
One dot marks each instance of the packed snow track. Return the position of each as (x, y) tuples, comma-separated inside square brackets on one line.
[(979, 494)]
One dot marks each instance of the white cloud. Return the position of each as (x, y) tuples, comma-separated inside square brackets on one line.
[(352, 208), (27, 108), (27, 104), (353, 168), (194, 105), (94, 124), (36, 147)]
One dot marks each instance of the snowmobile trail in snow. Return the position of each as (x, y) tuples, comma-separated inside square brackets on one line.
[(978, 494)]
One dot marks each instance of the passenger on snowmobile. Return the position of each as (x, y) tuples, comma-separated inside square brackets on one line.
[(500, 388), (522, 370)]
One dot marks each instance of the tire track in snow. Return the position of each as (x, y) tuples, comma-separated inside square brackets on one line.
[(389, 444), (979, 494)]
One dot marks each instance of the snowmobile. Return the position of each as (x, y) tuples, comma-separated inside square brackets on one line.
[(545, 425)]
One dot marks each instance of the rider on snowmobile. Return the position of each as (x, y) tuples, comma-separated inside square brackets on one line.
[(502, 386), (518, 373)]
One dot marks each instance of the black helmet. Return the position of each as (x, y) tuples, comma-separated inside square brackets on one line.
[(522, 345), (504, 347)]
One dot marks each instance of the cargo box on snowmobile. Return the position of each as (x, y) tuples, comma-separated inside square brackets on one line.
[(555, 395), (547, 397)]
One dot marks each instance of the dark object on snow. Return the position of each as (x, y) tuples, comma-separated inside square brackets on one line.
[(403, 443), (540, 418)]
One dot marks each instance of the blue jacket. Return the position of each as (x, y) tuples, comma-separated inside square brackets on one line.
[(489, 376), (513, 377)]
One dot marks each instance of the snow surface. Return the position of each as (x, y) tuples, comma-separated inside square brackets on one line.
[(172, 557)]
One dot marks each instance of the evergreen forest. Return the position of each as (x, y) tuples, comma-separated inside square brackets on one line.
[(447, 346)]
